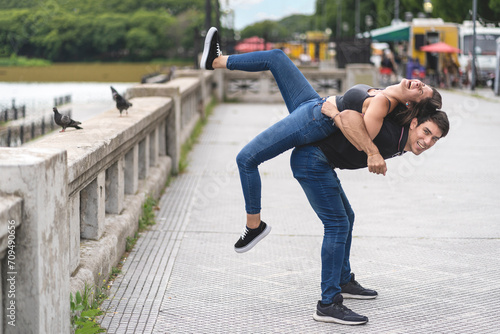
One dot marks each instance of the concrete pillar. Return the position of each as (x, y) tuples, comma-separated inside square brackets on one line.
[(144, 158), (361, 74), (74, 231), (115, 187), (132, 170), (174, 130), (153, 148), (204, 90), (40, 272), (92, 208), (219, 79), (162, 139)]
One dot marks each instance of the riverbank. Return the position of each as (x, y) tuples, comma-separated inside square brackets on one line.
[(82, 72)]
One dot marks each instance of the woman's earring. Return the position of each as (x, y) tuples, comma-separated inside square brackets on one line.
[(407, 104)]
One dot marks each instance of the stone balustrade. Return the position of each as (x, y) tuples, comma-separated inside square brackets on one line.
[(78, 195)]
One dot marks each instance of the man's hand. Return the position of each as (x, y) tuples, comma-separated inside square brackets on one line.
[(376, 164)]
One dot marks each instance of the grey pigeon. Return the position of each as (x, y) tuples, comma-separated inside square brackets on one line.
[(121, 103), (65, 121)]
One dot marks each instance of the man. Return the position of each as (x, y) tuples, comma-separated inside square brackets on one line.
[(313, 166)]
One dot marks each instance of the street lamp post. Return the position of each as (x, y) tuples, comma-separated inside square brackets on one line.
[(473, 65), (208, 14), (428, 7)]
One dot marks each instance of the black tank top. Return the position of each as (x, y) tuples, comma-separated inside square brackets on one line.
[(353, 98), (390, 141)]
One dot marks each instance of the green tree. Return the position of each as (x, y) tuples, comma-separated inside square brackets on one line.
[(141, 43), (14, 35), (383, 12), (185, 34), (269, 30), (109, 32), (297, 24)]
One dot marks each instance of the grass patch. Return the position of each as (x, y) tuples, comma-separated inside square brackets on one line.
[(14, 60), (148, 213), (193, 138), (85, 309), (85, 306), (130, 242)]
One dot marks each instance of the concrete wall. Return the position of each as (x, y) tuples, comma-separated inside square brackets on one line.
[(71, 199)]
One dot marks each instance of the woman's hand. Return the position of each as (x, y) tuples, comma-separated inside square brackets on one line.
[(329, 109)]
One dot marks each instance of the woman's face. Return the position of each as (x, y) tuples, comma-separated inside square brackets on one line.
[(415, 90)]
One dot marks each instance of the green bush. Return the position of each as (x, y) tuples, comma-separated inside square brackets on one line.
[(14, 60)]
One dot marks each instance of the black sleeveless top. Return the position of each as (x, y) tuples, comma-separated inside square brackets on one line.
[(353, 98), (390, 141), (341, 154)]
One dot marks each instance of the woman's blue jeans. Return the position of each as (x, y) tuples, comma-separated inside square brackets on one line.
[(305, 124), (326, 196)]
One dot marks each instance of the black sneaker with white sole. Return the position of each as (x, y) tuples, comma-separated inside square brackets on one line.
[(250, 237), (354, 290), (211, 49), (338, 313)]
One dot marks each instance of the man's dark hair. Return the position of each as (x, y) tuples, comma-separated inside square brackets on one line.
[(440, 118)]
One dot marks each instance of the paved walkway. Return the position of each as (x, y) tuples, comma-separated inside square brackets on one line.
[(427, 237)]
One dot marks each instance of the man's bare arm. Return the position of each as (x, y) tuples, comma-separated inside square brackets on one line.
[(352, 125)]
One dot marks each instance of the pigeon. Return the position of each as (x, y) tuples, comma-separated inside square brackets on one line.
[(121, 103), (65, 121)]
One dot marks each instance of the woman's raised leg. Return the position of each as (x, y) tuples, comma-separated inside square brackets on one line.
[(292, 84)]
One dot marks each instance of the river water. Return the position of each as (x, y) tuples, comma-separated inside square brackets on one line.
[(88, 98)]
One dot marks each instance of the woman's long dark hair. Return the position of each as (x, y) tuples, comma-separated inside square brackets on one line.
[(403, 115)]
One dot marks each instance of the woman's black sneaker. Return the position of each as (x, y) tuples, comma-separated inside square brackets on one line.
[(211, 50), (251, 236), (338, 313), (354, 290)]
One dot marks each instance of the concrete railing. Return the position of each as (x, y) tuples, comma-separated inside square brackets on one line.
[(76, 197), (261, 87)]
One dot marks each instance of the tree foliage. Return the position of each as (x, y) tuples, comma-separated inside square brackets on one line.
[(75, 30), (80, 30), (382, 12)]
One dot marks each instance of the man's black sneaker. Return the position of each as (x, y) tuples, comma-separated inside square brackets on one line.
[(251, 236), (354, 290), (338, 313), (211, 50)]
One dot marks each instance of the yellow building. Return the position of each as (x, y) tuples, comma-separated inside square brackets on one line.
[(430, 31), (314, 45)]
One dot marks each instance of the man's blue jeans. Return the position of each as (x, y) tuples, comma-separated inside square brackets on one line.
[(305, 124), (326, 196)]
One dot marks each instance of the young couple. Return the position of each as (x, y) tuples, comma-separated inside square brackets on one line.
[(369, 125)]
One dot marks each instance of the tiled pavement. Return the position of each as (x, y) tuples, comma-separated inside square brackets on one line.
[(427, 237)]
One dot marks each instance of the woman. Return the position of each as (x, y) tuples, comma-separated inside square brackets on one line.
[(307, 122)]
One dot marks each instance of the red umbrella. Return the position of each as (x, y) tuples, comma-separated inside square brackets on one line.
[(440, 47), (253, 44)]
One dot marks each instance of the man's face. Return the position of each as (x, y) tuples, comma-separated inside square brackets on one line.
[(422, 137)]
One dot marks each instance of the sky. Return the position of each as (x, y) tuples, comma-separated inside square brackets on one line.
[(247, 12)]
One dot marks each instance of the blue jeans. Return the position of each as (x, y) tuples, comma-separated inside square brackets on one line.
[(305, 124), (326, 196)]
